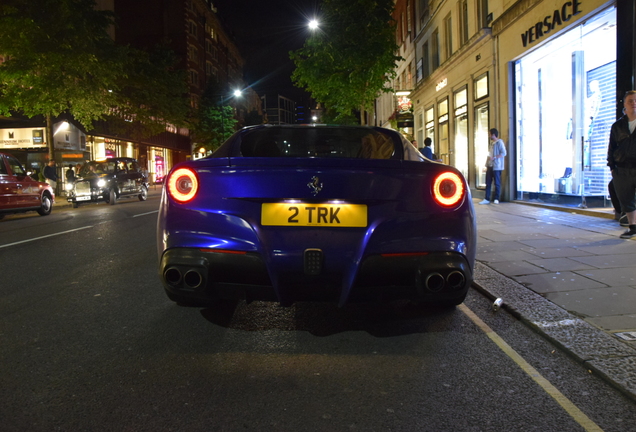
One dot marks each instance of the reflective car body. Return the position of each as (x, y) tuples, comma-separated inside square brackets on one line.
[(108, 180), (325, 213), (19, 192)]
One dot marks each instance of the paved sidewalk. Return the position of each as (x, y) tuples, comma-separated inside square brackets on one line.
[(569, 276)]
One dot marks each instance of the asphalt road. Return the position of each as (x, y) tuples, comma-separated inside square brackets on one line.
[(89, 342)]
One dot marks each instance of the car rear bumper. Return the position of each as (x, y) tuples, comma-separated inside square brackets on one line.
[(205, 274)]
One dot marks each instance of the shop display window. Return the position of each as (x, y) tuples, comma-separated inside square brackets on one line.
[(442, 144), (461, 131), (565, 92), (482, 139)]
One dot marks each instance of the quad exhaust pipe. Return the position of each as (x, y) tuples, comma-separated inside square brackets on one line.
[(435, 282), (456, 279), (192, 278)]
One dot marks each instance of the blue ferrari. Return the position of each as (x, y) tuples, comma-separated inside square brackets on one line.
[(316, 213)]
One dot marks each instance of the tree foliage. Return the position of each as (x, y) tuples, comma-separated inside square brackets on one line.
[(347, 62), (60, 59), (215, 121)]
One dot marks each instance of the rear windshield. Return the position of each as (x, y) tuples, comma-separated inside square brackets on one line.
[(357, 143)]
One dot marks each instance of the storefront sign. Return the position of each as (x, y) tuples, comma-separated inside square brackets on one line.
[(540, 29), (404, 105), (440, 85), (66, 136), (21, 138)]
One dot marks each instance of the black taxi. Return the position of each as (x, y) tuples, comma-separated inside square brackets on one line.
[(108, 180)]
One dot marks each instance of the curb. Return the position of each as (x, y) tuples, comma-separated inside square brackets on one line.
[(593, 348)]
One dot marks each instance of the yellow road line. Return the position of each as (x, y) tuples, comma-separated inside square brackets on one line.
[(567, 405)]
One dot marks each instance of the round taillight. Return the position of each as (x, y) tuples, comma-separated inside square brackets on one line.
[(448, 189), (183, 185)]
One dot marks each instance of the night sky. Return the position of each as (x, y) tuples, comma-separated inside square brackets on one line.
[(265, 31)]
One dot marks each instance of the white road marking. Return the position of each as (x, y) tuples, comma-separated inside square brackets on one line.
[(46, 236), (574, 412), (144, 214)]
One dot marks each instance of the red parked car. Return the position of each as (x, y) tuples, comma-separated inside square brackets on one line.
[(20, 193)]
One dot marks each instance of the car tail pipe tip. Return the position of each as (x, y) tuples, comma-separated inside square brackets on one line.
[(193, 279), (172, 275), (456, 279), (434, 282)]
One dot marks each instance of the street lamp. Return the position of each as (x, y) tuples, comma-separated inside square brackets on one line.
[(313, 24)]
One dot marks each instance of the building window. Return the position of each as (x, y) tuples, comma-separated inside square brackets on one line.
[(463, 22), (409, 19), (448, 36), (460, 153), (194, 78), (209, 30), (195, 55), (426, 66), (429, 125), (419, 127), (481, 143), (435, 50), (403, 27), (192, 28), (422, 7), (210, 70), (563, 152), (482, 13), (481, 86), (442, 144)]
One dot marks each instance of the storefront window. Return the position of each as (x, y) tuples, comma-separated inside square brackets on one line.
[(481, 87), (442, 144), (159, 167), (430, 125), (564, 112), (420, 129), (481, 144), (461, 131)]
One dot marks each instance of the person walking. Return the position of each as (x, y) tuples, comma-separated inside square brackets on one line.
[(427, 151), (50, 173), (70, 174), (494, 166), (621, 159)]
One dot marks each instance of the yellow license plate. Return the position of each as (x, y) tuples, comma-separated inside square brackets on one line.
[(303, 214)]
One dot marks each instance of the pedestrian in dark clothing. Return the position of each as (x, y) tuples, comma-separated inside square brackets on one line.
[(621, 159), (618, 213), (50, 173), (70, 174)]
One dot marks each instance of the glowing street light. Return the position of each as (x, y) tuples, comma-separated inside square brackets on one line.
[(313, 24)]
